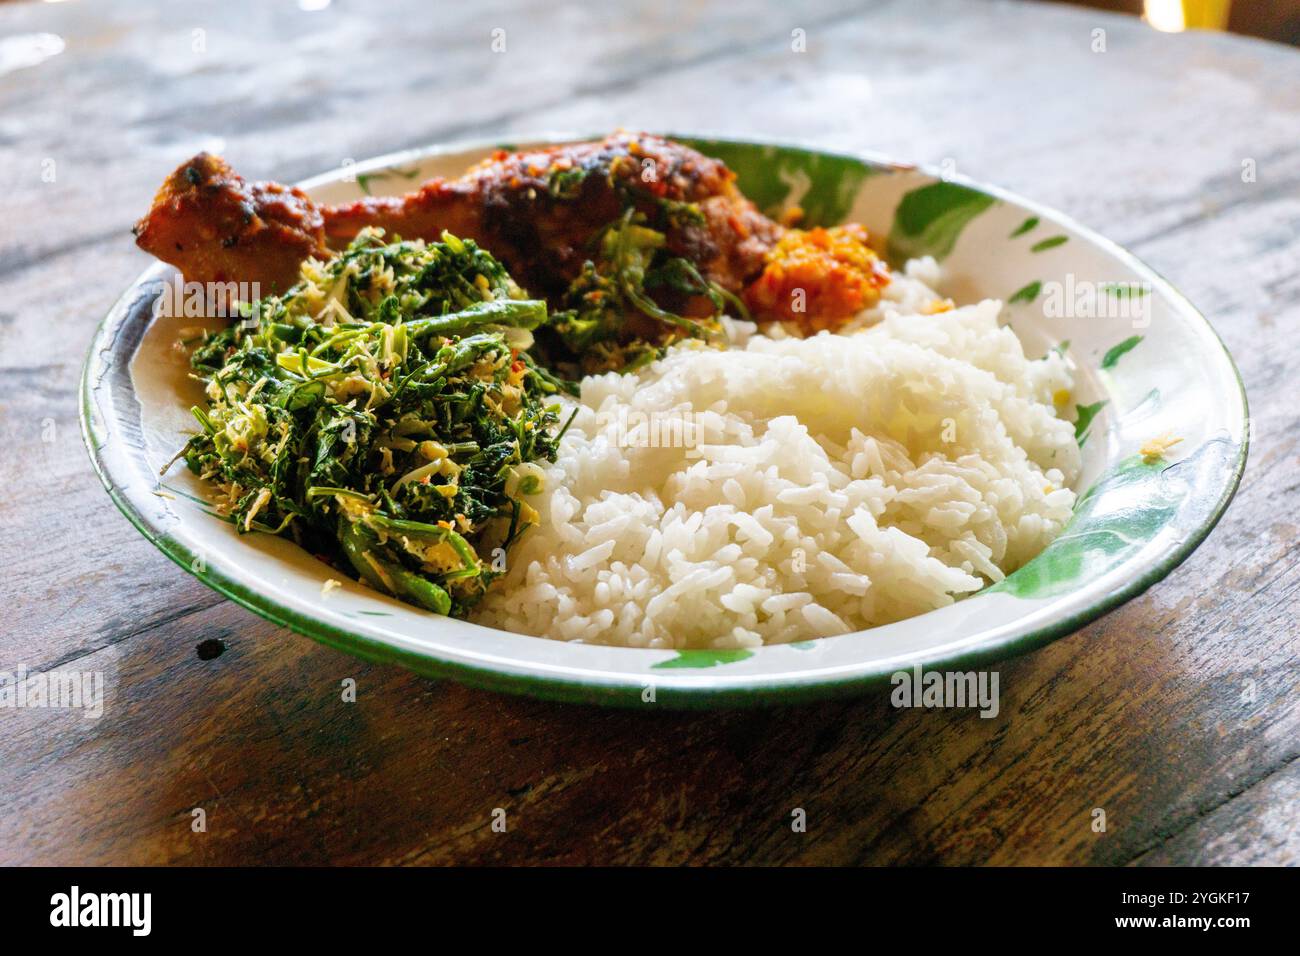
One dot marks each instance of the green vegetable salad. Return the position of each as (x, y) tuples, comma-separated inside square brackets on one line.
[(385, 414)]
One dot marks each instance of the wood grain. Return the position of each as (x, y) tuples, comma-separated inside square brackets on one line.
[(1177, 714)]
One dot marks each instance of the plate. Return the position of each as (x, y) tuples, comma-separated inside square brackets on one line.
[(1149, 365)]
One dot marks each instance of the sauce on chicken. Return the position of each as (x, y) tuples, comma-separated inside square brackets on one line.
[(543, 213)]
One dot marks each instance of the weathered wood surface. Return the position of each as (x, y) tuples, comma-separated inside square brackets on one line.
[(1177, 714)]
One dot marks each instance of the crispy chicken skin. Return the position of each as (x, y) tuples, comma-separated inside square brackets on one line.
[(215, 227), (537, 211), (541, 212)]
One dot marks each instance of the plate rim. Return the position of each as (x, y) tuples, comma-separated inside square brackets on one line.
[(680, 693)]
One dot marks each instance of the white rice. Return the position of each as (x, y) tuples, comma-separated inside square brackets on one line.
[(797, 488)]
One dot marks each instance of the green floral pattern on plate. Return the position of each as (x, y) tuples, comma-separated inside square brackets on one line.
[(1113, 355), (702, 658), (823, 185), (929, 220), (1113, 520)]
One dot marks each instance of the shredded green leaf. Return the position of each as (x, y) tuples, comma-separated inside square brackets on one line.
[(629, 277), (384, 413)]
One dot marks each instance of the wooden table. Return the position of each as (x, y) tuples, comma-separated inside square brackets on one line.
[(1178, 714)]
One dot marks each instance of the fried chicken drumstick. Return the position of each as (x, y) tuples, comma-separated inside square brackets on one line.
[(541, 212), (536, 211), (215, 227)]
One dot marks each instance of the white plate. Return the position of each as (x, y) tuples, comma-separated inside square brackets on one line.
[(1158, 367)]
